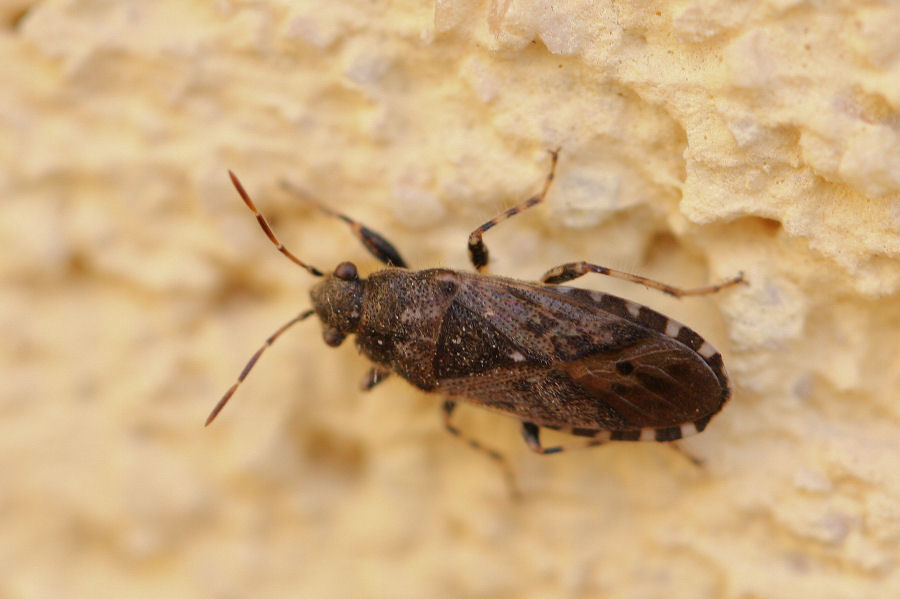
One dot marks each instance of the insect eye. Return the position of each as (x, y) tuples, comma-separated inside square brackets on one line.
[(346, 271), (332, 337)]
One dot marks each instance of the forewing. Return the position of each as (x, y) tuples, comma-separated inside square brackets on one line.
[(570, 358)]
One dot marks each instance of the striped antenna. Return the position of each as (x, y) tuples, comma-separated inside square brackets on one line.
[(252, 363), (268, 230)]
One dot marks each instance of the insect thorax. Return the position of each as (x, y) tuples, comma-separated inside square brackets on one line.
[(402, 318)]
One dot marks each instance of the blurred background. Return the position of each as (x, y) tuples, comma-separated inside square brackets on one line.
[(699, 139)]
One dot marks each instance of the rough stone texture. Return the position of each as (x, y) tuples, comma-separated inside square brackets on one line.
[(699, 138)]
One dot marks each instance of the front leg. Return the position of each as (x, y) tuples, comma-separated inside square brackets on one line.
[(375, 242)]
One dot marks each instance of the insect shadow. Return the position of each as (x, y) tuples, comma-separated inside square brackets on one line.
[(581, 362)]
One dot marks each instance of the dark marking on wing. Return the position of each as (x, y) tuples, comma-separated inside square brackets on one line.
[(468, 345), (627, 435), (718, 367), (689, 338), (624, 367), (652, 319), (701, 423), (672, 433), (614, 305)]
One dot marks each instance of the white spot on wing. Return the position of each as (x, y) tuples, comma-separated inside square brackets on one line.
[(672, 328), (688, 429), (707, 350), (633, 308), (648, 434), (517, 356)]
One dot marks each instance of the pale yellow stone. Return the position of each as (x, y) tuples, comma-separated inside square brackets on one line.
[(699, 138)]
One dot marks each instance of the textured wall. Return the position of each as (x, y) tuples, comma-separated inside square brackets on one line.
[(700, 138)]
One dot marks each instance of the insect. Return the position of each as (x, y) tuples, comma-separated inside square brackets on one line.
[(581, 362)]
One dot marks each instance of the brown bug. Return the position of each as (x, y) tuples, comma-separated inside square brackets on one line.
[(582, 362)]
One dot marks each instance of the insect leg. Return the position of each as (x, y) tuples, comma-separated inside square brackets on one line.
[(573, 270), (478, 252), (686, 454), (375, 375), (447, 409), (377, 245), (252, 363), (531, 433)]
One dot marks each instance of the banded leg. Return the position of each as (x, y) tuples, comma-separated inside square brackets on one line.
[(532, 435), (375, 375), (508, 475), (478, 252), (252, 362), (573, 270), (377, 245)]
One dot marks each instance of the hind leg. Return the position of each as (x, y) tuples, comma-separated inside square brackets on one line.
[(532, 435), (447, 409), (572, 270)]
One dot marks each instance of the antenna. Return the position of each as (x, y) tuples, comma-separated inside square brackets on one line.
[(252, 363), (268, 230)]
